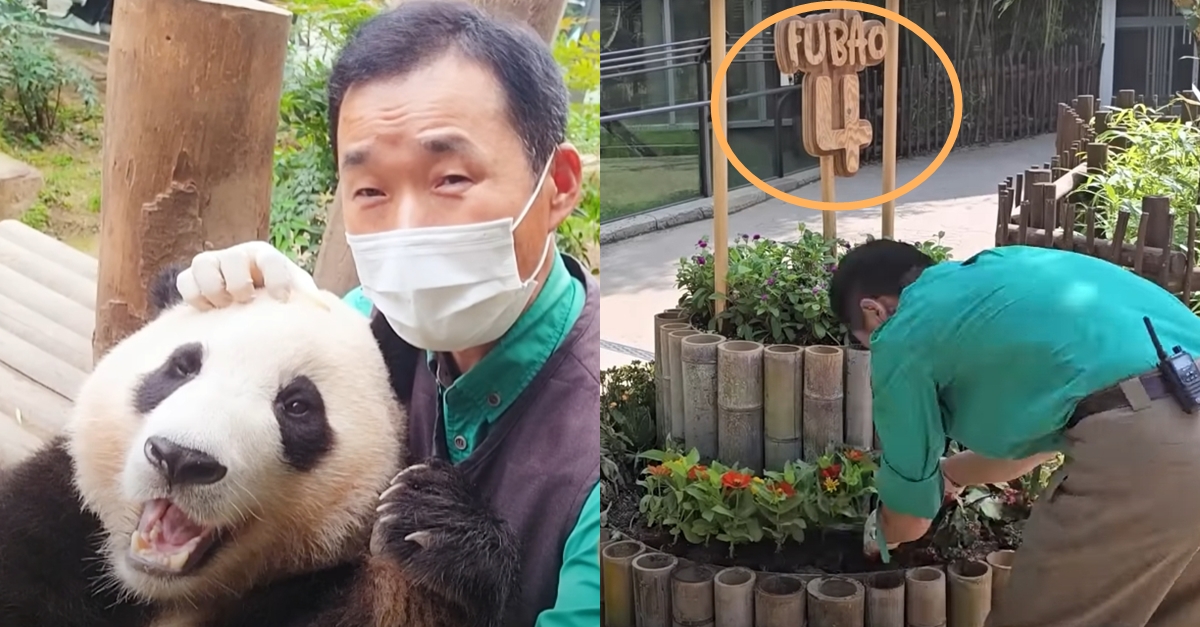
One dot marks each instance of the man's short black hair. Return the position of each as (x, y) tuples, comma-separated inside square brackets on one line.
[(881, 267), (401, 40)]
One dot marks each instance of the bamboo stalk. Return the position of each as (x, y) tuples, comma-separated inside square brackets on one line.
[(740, 404), (675, 369), (823, 397), (652, 589), (885, 599), (970, 593), (860, 429), (616, 563), (692, 596), (698, 354), (733, 597), (783, 375), (779, 601), (835, 602), (925, 597)]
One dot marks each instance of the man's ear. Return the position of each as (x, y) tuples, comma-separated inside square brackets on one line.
[(874, 312), (566, 174)]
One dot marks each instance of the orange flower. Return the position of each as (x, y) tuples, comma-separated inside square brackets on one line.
[(784, 488), (736, 480), (697, 472), (854, 455), (660, 471)]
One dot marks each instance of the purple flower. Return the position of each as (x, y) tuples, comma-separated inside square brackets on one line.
[(764, 297), (771, 281), (699, 260), (756, 237), (702, 244), (816, 290)]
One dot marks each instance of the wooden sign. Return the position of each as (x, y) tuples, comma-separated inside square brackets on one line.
[(830, 49)]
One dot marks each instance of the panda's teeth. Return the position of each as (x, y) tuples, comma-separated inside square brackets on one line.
[(177, 560), (138, 543)]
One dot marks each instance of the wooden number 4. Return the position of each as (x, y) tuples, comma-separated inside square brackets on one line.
[(847, 142)]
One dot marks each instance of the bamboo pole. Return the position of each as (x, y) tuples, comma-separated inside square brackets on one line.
[(828, 194), (740, 404), (652, 589), (733, 597), (720, 166), (970, 588), (891, 87)]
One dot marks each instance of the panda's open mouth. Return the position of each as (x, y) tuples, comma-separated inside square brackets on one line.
[(169, 543)]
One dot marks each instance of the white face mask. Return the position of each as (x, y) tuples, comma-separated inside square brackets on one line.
[(448, 288)]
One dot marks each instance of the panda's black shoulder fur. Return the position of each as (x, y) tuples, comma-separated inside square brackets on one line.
[(51, 565), (163, 292)]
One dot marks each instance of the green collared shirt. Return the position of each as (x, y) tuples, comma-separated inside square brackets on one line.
[(472, 402), (996, 351)]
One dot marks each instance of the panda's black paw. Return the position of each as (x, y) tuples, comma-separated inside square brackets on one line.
[(446, 538)]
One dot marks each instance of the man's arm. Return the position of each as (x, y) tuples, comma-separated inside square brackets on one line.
[(909, 423), (578, 603), (970, 468)]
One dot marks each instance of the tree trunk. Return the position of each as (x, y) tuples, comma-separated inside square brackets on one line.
[(192, 108), (334, 269)]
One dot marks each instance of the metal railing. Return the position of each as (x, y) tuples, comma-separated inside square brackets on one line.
[(1005, 97)]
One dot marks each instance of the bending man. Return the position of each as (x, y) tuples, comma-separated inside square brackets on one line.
[(1017, 353)]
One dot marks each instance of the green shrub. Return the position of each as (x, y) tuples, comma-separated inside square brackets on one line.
[(627, 421), (34, 78), (1161, 158), (305, 174), (579, 56), (777, 292)]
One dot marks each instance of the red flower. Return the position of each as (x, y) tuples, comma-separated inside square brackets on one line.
[(660, 471), (784, 488), (832, 472), (736, 480), (699, 471), (854, 455)]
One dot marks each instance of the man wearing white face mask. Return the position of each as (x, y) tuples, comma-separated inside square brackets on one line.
[(449, 132)]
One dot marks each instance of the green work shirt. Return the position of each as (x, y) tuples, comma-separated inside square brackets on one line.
[(505, 371), (995, 352)]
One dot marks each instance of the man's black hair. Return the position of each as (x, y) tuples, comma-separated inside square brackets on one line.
[(881, 267), (402, 40)]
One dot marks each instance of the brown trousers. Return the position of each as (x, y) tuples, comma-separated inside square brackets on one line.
[(1113, 540)]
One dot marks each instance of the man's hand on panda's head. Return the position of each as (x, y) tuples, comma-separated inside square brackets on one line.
[(446, 538), (219, 278)]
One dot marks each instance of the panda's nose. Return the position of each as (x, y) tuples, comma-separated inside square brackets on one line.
[(182, 465)]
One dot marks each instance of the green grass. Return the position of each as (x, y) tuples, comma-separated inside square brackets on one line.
[(69, 204)]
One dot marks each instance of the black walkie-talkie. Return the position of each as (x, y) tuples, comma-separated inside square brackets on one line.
[(1179, 369)]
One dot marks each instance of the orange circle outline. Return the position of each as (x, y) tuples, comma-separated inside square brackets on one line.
[(723, 142)]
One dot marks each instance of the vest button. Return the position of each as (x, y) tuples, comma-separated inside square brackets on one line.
[(460, 443), (493, 399)]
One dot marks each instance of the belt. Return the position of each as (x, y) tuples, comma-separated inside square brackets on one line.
[(1113, 397)]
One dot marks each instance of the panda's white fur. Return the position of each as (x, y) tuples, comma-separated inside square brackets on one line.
[(278, 519)]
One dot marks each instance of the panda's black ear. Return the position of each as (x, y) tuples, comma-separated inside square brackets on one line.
[(163, 292)]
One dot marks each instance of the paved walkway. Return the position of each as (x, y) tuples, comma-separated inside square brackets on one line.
[(637, 276)]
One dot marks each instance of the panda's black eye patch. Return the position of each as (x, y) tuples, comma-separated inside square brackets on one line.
[(180, 367), (303, 425)]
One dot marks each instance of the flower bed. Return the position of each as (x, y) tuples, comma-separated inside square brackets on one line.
[(678, 495)]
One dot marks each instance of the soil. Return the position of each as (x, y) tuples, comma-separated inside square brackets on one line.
[(823, 551)]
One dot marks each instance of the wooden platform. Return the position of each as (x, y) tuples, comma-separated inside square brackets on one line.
[(47, 313)]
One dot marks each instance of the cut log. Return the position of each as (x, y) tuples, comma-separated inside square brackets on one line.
[(192, 107)]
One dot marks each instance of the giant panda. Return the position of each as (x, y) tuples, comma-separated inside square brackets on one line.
[(241, 467)]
